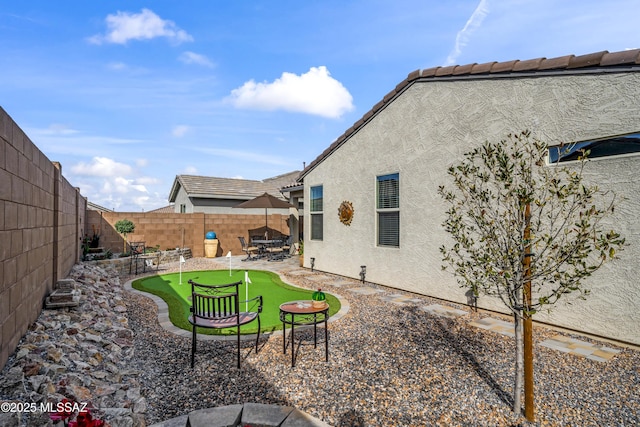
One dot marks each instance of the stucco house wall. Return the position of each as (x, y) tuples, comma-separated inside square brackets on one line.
[(182, 198), (425, 129), (211, 205)]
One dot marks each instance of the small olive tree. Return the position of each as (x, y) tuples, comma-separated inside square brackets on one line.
[(124, 227), (505, 192)]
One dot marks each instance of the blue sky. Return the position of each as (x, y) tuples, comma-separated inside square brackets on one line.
[(128, 94)]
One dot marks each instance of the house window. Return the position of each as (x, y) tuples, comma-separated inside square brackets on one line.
[(388, 209), (316, 213), (605, 147), (183, 208)]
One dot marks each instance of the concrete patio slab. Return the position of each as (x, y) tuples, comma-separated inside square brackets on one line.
[(496, 325), (400, 299), (580, 348), (443, 311)]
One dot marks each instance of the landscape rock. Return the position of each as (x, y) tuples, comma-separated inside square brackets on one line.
[(79, 353)]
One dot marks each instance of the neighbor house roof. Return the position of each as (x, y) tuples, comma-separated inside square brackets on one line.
[(164, 209), (598, 62), (229, 188), (284, 180), (95, 207)]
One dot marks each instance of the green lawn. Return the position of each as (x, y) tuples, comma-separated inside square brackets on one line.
[(273, 290)]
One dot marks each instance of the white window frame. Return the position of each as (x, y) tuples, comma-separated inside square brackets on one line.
[(386, 238), (315, 213)]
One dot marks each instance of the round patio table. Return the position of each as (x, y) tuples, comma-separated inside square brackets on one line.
[(303, 313)]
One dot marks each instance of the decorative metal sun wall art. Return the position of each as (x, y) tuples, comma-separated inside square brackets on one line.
[(345, 212)]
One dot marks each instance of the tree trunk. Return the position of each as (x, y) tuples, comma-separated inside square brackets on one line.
[(517, 388)]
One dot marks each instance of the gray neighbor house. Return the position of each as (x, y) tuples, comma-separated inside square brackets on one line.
[(192, 193), (405, 143)]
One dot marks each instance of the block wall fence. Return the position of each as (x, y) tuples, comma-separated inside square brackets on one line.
[(42, 220), (180, 230)]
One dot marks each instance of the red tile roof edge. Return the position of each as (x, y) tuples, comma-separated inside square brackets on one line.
[(568, 63)]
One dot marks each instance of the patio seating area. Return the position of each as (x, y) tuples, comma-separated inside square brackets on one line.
[(275, 248)]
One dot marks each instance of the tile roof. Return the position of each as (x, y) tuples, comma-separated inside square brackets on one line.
[(164, 209), (229, 188), (95, 207), (598, 62), (284, 180)]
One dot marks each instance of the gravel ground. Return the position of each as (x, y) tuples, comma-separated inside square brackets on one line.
[(388, 366)]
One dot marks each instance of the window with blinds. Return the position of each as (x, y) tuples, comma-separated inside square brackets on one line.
[(388, 208), (316, 211)]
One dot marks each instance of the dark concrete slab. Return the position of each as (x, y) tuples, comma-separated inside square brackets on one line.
[(261, 415), (249, 414), (222, 416), (301, 419)]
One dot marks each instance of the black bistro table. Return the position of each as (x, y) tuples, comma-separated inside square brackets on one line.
[(303, 313)]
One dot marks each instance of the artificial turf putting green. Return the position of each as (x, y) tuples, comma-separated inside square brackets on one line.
[(273, 290)]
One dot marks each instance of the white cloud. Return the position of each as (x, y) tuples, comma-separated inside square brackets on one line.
[(124, 186), (102, 166), (180, 131), (247, 156), (195, 58), (473, 23), (116, 192), (146, 25), (190, 170), (117, 66), (147, 180), (142, 201), (59, 130), (314, 92), (142, 162)]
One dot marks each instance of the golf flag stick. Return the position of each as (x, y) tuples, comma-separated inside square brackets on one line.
[(229, 256), (246, 290), (182, 261)]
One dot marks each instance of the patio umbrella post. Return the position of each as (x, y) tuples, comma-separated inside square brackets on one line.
[(266, 225), (265, 201)]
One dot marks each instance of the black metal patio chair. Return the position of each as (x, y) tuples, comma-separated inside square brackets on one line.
[(275, 250), (247, 249), (218, 307), (286, 246)]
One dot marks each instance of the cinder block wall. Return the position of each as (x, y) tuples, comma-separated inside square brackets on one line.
[(172, 230), (41, 223), (43, 219)]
